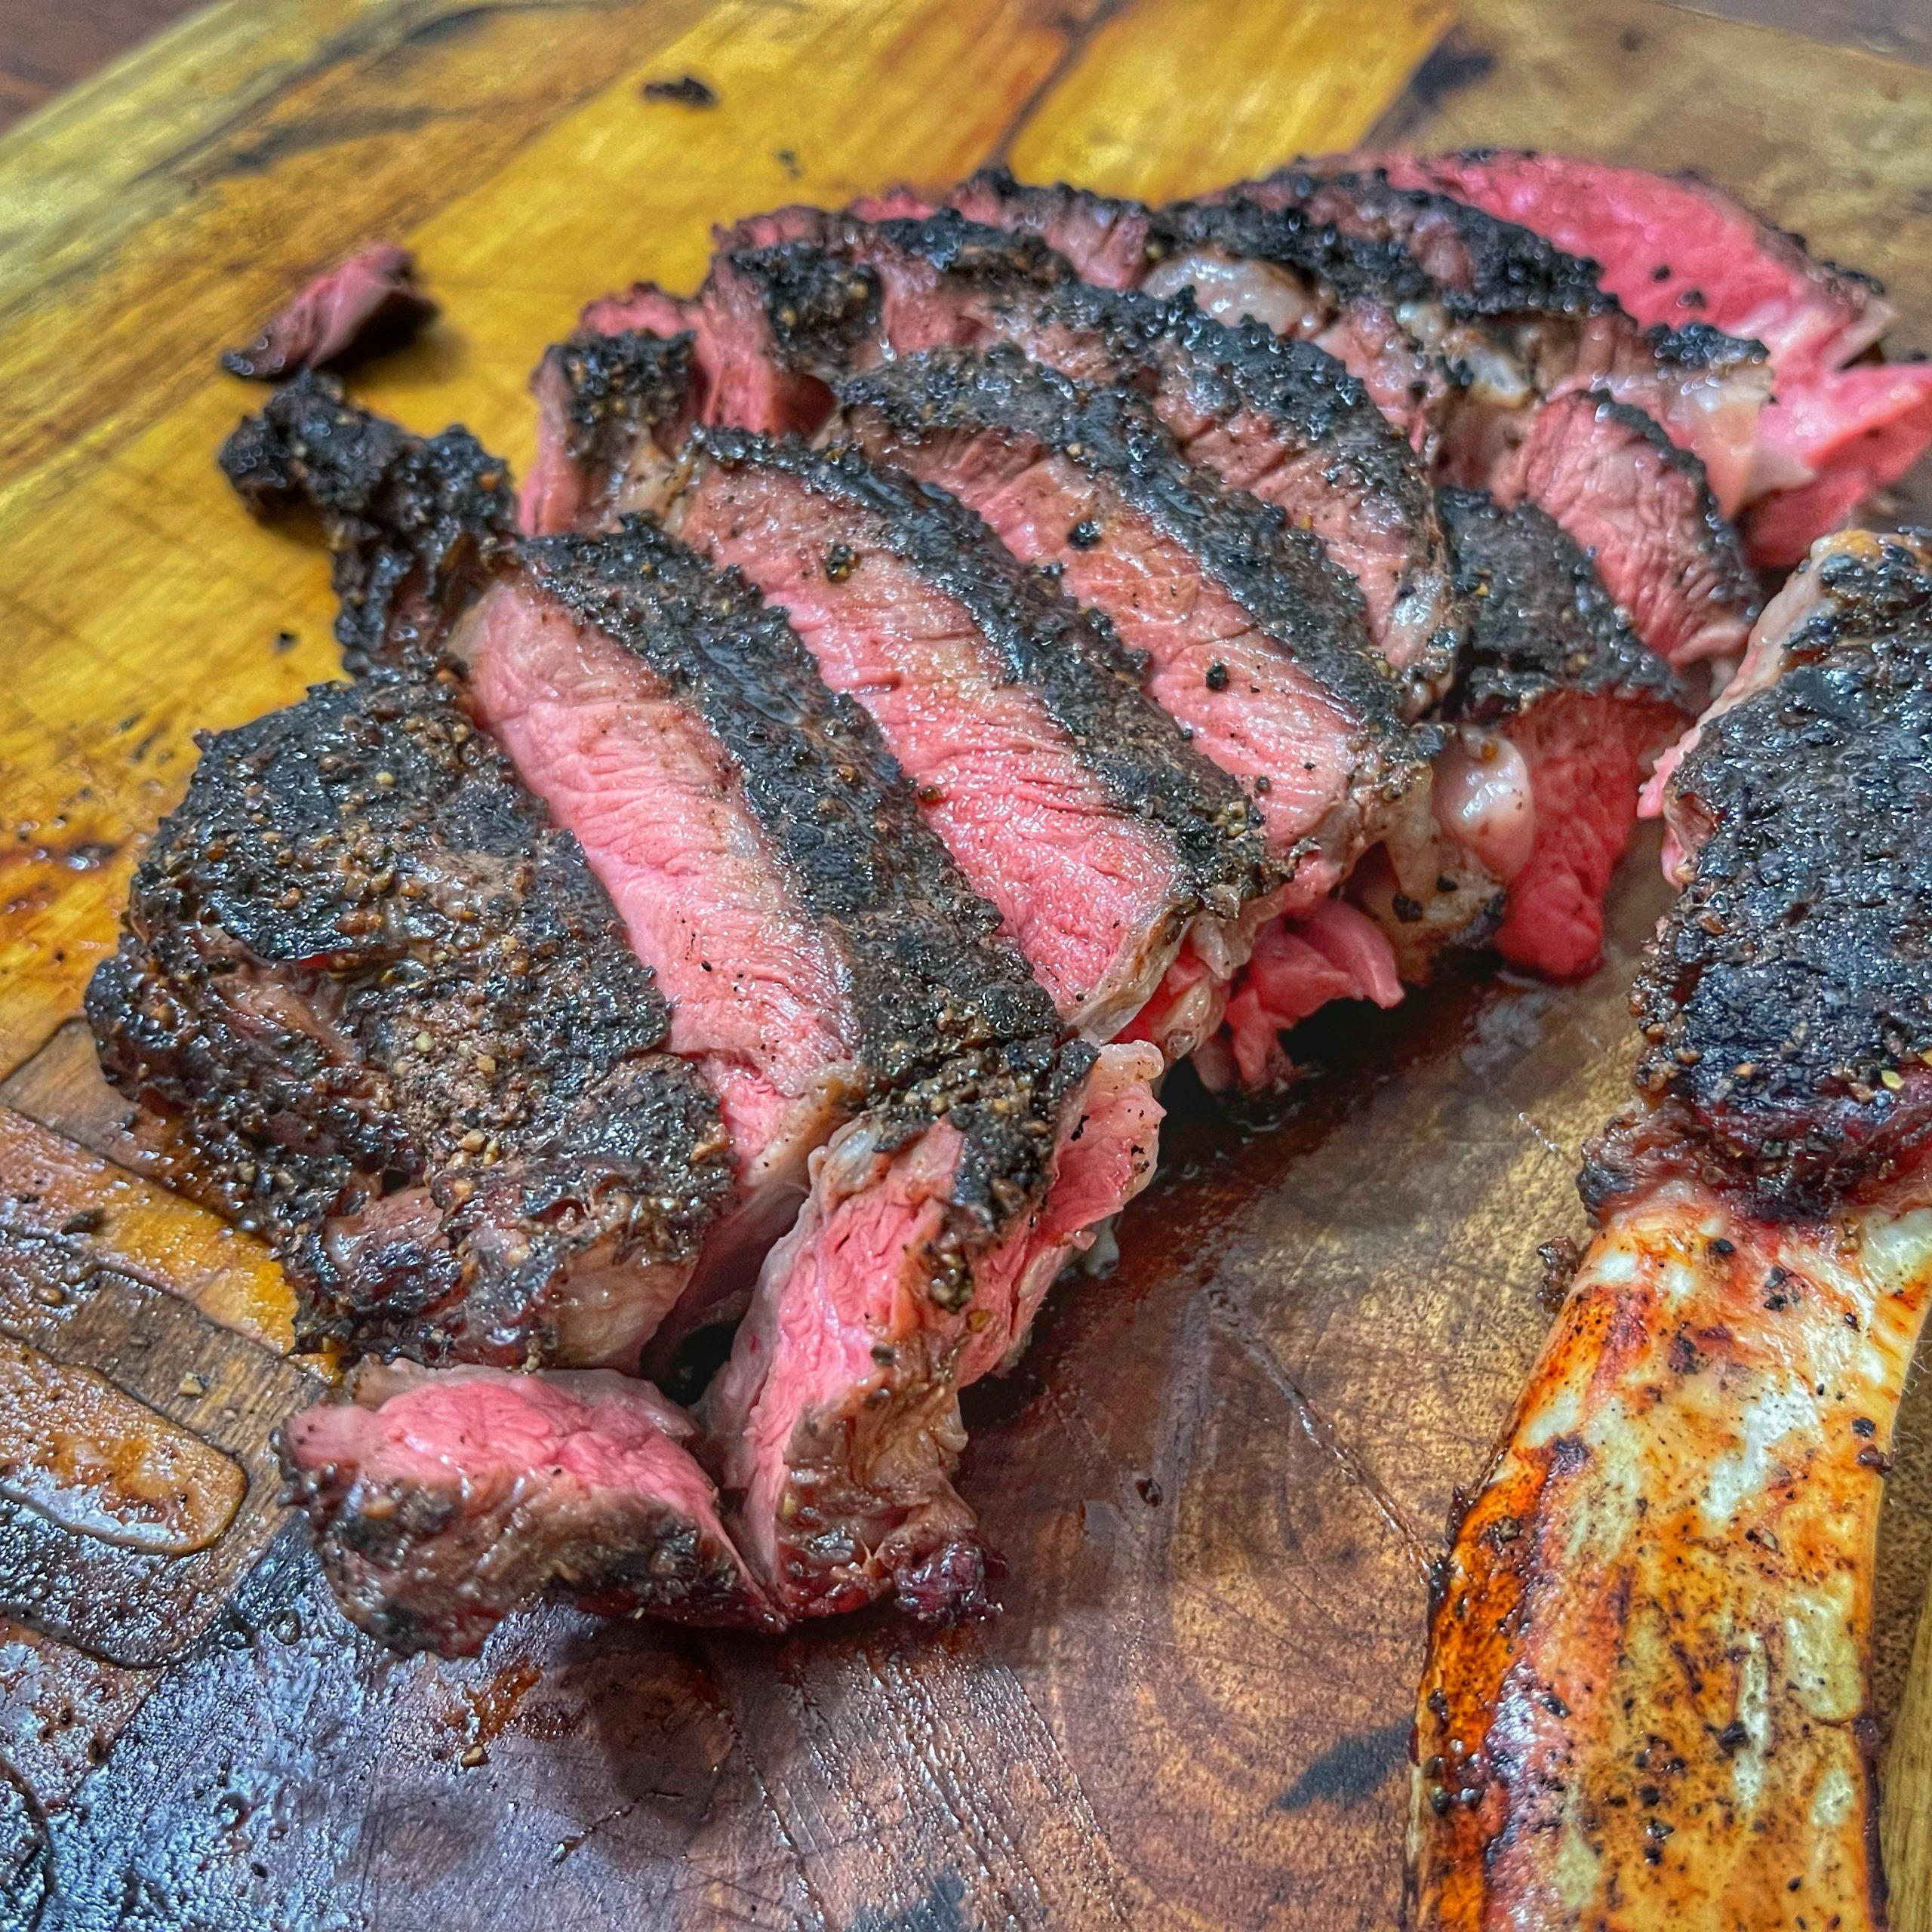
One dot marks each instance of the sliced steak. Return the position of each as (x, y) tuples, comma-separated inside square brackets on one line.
[(1519, 320), (606, 403), (1672, 247), (822, 295), (1466, 378), (765, 850), (417, 524), (410, 1043), (1786, 1004), (1558, 708), (441, 1499), (1109, 845), (1301, 281), (1253, 642), (369, 303), (936, 1226), (1640, 507)]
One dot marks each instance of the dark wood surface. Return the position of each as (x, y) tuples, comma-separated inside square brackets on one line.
[(1219, 1475), (44, 47)]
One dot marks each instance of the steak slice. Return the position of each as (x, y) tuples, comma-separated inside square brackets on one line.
[(1669, 246), (1109, 845), (1519, 320), (1640, 507), (411, 1045), (1785, 1004), (765, 850), (936, 1226), (822, 295), (369, 303), (417, 524), (1559, 707), (1254, 644), (441, 1499), (1464, 377)]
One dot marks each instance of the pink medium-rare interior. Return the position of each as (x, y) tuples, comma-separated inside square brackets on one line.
[(754, 993), (1252, 710), (1079, 884)]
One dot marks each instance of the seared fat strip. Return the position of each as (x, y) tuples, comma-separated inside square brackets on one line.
[(1645, 1703), (825, 294)]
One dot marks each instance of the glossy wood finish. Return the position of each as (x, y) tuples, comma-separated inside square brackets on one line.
[(1220, 1474)]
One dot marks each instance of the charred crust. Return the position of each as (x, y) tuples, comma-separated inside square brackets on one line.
[(1541, 621), (1278, 575), (931, 977), (1786, 1003), (412, 1045), (615, 388), (415, 523), (1347, 267), (1070, 660)]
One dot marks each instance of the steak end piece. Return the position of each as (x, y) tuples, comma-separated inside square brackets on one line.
[(936, 1226), (370, 304), (411, 1044), (415, 524), (1787, 1003), (442, 1500)]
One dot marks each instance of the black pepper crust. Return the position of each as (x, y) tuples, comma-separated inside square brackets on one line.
[(1068, 657), (1347, 267), (1014, 285), (411, 1042), (929, 975), (614, 389), (415, 524), (1280, 576), (1541, 620), (1483, 267), (1786, 1001)]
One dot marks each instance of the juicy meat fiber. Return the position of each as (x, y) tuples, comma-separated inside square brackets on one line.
[(839, 1406), (443, 1499)]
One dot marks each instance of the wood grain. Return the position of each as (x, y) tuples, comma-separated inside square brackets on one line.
[(1219, 1475)]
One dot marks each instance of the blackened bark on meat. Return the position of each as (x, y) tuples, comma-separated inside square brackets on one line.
[(615, 390), (415, 524), (1541, 621), (1278, 575), (412, 1044), (929, 975), (1068, 658), (1786, 1002), (1008, 285), (1345, 267)]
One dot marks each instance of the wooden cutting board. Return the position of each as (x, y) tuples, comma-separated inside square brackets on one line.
[(1219, 1476)]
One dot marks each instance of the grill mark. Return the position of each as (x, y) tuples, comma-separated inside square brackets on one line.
[(1066, 657), (1278, 575), (929, 975)]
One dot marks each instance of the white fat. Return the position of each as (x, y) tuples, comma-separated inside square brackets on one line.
[(1754, 1713), (1821, 1661), (1835, 1799), (1738, 1479), (1485, 802), (1233, 291)]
